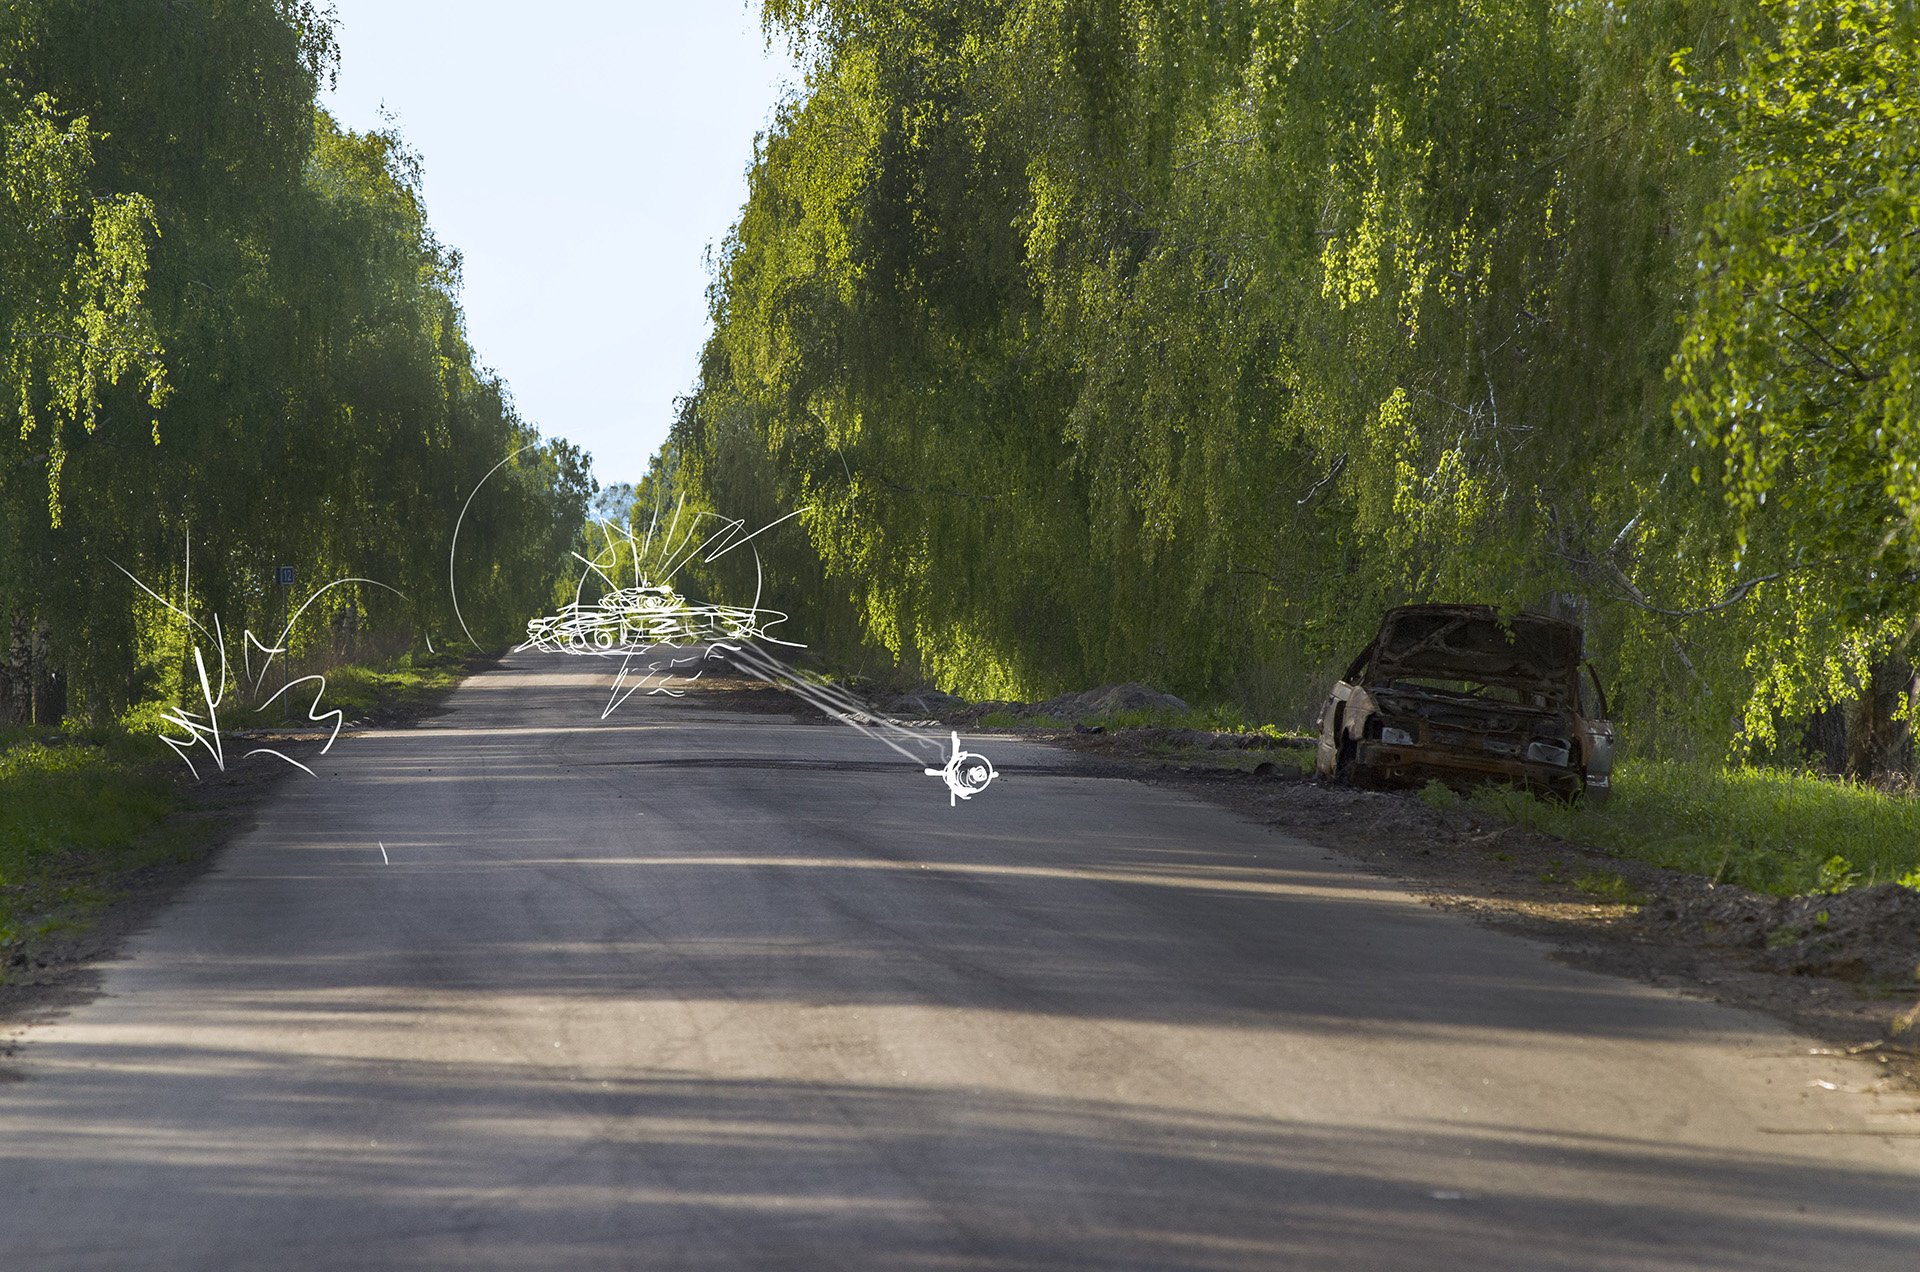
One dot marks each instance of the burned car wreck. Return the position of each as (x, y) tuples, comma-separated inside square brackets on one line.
[(1462, 695)]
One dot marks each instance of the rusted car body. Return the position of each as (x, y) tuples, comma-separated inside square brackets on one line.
[(1459, 694)]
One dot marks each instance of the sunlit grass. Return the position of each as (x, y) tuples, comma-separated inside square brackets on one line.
[(1772, 830), (1778, 831), (359, 690), (1220, 719), (74, 813), (1216, 719), (1008, 720)]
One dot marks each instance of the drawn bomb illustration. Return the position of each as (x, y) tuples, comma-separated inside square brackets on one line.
[(647, 621), (965, 773), (663, 640), (636, 619)]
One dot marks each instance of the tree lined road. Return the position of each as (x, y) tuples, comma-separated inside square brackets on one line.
[(689, 988)]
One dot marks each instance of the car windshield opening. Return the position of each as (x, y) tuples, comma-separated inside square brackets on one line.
[(1473, 654), (1479, 691)]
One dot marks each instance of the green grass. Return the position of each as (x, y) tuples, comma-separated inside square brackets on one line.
[(410, 682), (1772, 830), (75, 814), (1301, 758), (1777, 831), (1220, 719), (1008, 720)]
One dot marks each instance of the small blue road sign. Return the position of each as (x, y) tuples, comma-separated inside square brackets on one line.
[(283, 575)]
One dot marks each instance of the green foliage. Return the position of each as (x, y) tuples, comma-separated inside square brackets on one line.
[(1169, 340), (1800, 354), (1836, 875), (1610, 886), (73, 274), (244, 310), (408, 683)]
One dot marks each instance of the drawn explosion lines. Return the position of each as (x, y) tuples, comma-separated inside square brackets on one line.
[(664, 640)]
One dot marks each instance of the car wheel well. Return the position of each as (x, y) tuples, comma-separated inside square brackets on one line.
[(1345, 752)]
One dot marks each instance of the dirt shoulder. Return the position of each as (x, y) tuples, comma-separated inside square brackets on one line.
[(45, 973)]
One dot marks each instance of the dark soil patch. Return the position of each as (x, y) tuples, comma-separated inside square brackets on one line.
[(1165, 740)]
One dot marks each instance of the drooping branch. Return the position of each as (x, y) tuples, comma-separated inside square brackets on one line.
[(1738, 593), (1852, 368), (1320, 485), (942, 494), (1629, 592), (1273, 581), (90, 347)]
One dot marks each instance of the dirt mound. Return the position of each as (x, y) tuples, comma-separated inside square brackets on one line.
[(1090, 704), (1108, 700), (924, 702)]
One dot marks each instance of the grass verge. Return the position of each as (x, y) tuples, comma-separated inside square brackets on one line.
[(78, 814), (402, 688), (1774, 831)]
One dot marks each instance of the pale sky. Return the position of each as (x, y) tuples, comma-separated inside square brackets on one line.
[(581, 155)]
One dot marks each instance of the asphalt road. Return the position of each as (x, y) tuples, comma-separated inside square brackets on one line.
[(690, 989)]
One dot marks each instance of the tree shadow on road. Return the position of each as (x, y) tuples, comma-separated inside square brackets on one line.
[(358, 1163)]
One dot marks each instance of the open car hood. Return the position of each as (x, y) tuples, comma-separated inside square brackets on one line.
[(1474, 643)]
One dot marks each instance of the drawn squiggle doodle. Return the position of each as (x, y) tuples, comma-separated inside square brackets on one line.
[(648, 625), (202, 729), (669, 641), (965, 772)]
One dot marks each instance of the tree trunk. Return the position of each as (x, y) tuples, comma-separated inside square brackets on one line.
[(1877, 742), (1825, 739), (16, 674), (49, 686)]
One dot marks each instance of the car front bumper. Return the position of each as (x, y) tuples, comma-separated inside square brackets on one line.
[(1389, 764)]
